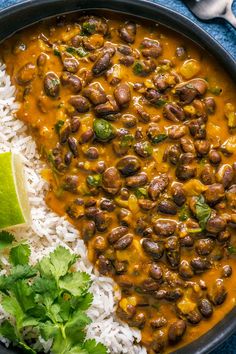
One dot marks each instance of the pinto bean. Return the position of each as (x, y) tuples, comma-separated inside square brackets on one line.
[(109, 109), (51, 85), (117, 233), (185, 172), (173, 112), (123, 242), (70, 64), (151, 48), (127, 60), (73, 82), (225, 175), (173, 294), (159, 343), (107, 204), (26, 74), (75, 124), (178, 194), (176, 331), (104, 265), (177, 131), (173, 154), (103, 63), (157, 186), (172, 248), (204, 246), (125, 217), (129, 121), (215, 224), (200, 265), (214, 193), (128, 32), (73, 145), (210, 105), (205, 307), (158, 322), (207, 175), (154, 249), (92, 153), (187, 145), (128, 165), (143, 115), (87, 136), (88, 230), (136, 181), (197, 128), (95, 93), (80, 103), (164, 227), (194, 317), (217, 293), (185, 271), (111, 181), (202, 147), (146, 204), (214, 157), (102, 221), (122, 95), (188, 91), (155, 272)]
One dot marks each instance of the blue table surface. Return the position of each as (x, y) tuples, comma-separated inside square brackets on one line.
[(226, 35)]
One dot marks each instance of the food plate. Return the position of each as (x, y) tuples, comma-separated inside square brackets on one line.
[(29, 12)]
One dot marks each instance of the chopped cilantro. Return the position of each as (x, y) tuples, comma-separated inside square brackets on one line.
[(141, 192), (138, 69), (158, 138), (77, 51), (203, 211), (59, 124), (184, 213), (94, 180), (88, 29), (216, 90)]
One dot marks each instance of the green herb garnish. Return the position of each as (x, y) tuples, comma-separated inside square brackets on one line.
[(94, 180), (59, 125), (158, 138), (138, 69), (88, 29), (6, 239), (203, 211), (141, 192), (104, 131), (216, 90), (49, 300), (127, 140), (231, 249), (56, 52), (77, 51), (161, 102), (184, 213)]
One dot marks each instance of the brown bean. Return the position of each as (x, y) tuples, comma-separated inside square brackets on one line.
[(129, 120), (107, 204), (75, 124), (155, 272), (111, 181), (176, 331), (185, 172), (117, 233), (87, 136), (139, 180), (109, 109), (99, 244), (187, 145), (95, 93), (173, 154), (80, 103), (181, 53), (210, 105), (73, 82), (200, 264), (25, 74), (217, 293), (194, 317), (102, 221), (71, 65), (68, 158), (225, 175), (159, 343), (188, 91), (224, 236), (214, 193), (167, 206), (128, 165), (172, 248), (149, 285), (164, 227), (154, 249), (51, 85), (128, 32), (204, 246), (146, 204), (151, 48), (157, 186), (173, 112), (122, 95), (92, 153), (125, 217), (197, 128), (205, 307), (178, 193), (104, 265), (88, 230), (173, 294), (138, 320), (227, 271), (214, 157), (215, 224), (231, 196), (64, 133), (127, 60), (103, 63), (71, 183), (158, 322), (202, 147), (176, 131), (73, 145), (185, 271), (186, 241), (123, 242), (207, 175)]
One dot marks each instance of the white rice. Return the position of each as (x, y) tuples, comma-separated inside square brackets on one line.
[(49, 230)]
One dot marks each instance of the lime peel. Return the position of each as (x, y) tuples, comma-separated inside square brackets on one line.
[(14, 204)]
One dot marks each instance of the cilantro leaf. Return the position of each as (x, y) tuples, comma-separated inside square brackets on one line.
[(7, 330), (94, 348), (203, 211), (76, 284), (20, 254), (6, 239)]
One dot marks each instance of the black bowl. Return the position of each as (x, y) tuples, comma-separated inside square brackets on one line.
[(28, 12)]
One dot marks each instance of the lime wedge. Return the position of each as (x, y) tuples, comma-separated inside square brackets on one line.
[(14, 203)]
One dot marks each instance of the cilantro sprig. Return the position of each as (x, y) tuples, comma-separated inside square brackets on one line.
[(49, 300)]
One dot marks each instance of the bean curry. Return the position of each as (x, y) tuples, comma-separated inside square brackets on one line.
[(137, 126)]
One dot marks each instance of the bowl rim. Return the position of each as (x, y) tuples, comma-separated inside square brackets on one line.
[(28, 12)]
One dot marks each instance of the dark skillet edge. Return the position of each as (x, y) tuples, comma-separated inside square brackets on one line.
[(28, 12)]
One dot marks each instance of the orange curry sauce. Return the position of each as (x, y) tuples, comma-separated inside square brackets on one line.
[(170, 112)]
